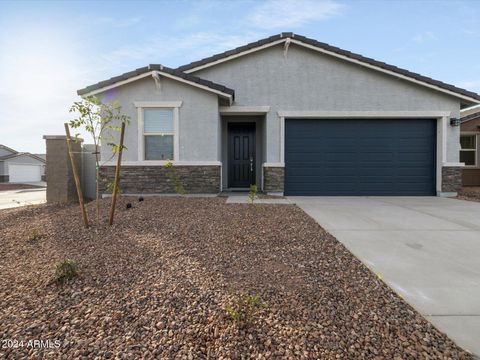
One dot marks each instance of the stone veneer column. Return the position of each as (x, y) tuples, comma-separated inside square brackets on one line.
[(59, 174), (451, 179), (273, 178)]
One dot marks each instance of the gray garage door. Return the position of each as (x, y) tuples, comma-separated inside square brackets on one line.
[(360, 157)]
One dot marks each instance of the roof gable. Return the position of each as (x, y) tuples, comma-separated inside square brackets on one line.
[(161, 70), (468, 97), (8, 157), (10, 150), (474, 116)]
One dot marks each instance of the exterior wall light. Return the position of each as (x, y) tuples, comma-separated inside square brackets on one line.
[(455, 122)]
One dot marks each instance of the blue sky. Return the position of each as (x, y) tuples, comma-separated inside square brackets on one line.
[(48, 50)]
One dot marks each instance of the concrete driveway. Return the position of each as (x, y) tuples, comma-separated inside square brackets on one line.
[(16, 198), (426, 248)]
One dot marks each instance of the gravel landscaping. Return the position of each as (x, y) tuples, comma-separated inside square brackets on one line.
[(158, 284), (471, 193)]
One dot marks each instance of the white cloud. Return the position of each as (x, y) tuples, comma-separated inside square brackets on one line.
[(289, 14), (470, 32), (118, 23), (424, 37), (159, 48)]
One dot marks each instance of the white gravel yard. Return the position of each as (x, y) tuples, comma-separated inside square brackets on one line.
[(160, 282)]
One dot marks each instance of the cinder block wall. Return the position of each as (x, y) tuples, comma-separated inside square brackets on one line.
[(60, 181)]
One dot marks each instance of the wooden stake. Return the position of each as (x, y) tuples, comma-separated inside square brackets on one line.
[(75, 177), (117, 176)]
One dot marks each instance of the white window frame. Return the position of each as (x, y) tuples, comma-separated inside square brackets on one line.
[(141, 105), (474, 150)]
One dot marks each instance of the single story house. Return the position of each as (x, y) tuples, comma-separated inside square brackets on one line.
[(292, 115), (20, 166), (470, 148)]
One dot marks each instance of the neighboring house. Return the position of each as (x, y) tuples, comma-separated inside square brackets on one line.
[(291, 115), (470, 148), (20, 166)]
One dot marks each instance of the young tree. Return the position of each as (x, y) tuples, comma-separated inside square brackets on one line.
[(101, 121)]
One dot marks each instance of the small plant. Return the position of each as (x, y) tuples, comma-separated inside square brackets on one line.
[(35, 235), (252, 195), (244, 310), (65, 270), (173, 176), (110, 187)]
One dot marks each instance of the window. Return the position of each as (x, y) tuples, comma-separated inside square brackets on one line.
[(158, 134), (158, 130), (468, 149)]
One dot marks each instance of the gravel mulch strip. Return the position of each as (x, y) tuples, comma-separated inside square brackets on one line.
[(471, 193), (8, 186), (158, 283), (267, 196)]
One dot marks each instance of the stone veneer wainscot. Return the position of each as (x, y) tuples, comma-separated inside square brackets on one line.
[(273, 178), (204, 179), (451, 178)]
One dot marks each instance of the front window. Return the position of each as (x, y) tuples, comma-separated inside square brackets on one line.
[(158, 132), (468, 149)]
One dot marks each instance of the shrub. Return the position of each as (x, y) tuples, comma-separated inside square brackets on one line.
[(173, 176), (35, 235), (110, 187), (252, 195), (244, 310), (65, 270)]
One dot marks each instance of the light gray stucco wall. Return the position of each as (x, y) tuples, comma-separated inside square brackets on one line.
[(199, 137), (309, 80)]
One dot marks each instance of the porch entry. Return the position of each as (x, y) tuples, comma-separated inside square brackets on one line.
[(241, 155)]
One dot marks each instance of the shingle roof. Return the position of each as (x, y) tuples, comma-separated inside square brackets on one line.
[(41, 156), (160, 68), (336, 50), (473, 116)]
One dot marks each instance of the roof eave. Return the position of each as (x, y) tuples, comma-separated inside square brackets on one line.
[(122, 80)]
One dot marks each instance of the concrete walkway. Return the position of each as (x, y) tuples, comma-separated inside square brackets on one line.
[(426, 248), (16, 198)]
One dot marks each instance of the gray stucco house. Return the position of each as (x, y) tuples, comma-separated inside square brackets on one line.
[(20, 166), (292, 115)]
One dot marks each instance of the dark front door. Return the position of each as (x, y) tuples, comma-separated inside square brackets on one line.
[(241, 155)]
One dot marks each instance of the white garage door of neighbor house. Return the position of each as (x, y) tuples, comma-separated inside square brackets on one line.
[(24, 173)]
